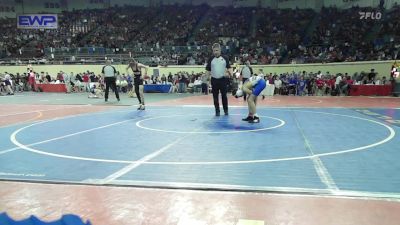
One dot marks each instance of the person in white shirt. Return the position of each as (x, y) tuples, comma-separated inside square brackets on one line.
[(337, 82), (67, 81), (197, 84), (278, 85), (8, 83), (246, 73), (109, 74)]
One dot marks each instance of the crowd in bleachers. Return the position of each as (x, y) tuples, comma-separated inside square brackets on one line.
[(262, 35), (31, 42), (339, 36), (279, 31), (387, 43), (224, 22)]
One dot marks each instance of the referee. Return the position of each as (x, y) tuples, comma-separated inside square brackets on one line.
[(217, 67), (109, 74)]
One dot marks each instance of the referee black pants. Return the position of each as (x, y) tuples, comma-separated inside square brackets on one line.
[(110, 82), (220, 85)]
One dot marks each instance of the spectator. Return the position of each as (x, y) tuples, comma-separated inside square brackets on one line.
[(8, 84), (32, 82), (204, 83), (246, 73), (48, 78), (278, 86), (337, 83), (197, 85)]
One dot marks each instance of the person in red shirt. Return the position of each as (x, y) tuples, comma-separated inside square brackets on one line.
[(346, 88), (349, 80), (330, 84), (32, 81), (86, 81)]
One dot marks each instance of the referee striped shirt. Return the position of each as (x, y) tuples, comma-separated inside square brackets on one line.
[(218, 66), (109, 71)]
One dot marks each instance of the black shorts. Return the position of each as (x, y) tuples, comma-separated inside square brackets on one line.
[(138, 82), (7, 82)]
